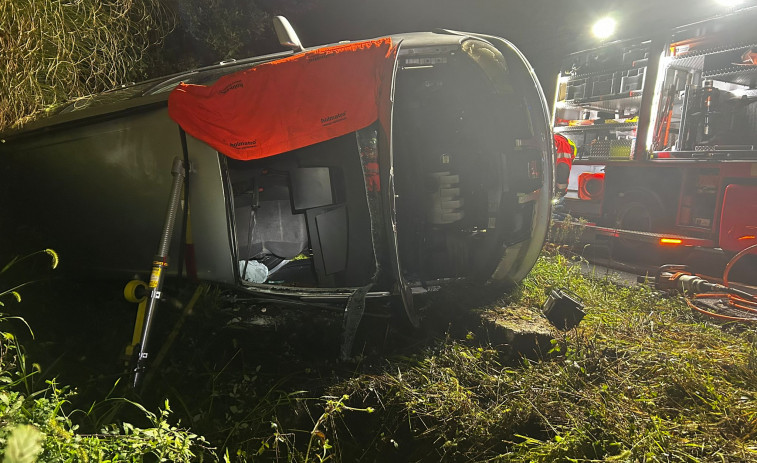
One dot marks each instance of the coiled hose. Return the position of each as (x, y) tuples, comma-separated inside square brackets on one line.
[(733, 304)]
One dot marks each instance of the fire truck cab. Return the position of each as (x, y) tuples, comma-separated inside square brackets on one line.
[(666, 130)]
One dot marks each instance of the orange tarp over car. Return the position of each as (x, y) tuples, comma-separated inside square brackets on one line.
[(289, 103)]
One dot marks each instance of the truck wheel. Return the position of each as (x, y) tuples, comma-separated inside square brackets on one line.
[(637, 211), (637, 215)]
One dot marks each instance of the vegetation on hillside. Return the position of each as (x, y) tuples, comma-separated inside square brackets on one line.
[(36, 423), (207, 32), (642, 378), (55, 51)]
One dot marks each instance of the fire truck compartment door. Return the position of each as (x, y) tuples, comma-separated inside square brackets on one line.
[(738, 222)]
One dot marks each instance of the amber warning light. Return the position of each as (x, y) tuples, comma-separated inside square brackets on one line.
[(670, 241)]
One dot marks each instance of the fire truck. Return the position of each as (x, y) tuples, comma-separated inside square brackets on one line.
[(665, 130)]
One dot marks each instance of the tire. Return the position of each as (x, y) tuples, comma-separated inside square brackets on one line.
[(638, 215), (637, 211)]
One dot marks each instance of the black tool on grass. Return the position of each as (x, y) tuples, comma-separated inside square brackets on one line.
[(564, 309)]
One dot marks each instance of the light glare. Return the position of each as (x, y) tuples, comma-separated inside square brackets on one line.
[(603, 28), (730, 3)]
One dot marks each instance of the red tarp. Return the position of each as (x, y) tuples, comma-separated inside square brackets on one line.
[(290, 103)]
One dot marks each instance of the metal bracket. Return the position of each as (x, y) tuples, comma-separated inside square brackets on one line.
[(353, 313)]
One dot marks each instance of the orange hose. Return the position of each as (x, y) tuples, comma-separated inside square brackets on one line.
[(667, 130), (734, 301), (733, 260), (720, 316)]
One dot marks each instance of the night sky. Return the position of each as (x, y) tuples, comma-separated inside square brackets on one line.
[(544, 30)]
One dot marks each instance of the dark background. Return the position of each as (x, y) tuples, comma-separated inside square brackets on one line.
[(544, 30)]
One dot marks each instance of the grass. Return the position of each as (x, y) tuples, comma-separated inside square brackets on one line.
[(36, 420), (642, 378), (58, 51)]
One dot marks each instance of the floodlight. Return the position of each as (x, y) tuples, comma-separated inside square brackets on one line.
[(603, 28)]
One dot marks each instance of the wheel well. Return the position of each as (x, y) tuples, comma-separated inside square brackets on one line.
[(658, 188), (632, 201)]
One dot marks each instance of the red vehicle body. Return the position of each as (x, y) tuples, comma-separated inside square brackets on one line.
[(666, 131)]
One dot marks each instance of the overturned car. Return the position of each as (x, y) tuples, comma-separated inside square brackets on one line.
[(333, 174)]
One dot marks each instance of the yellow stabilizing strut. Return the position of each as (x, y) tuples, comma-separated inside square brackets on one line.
[(159, 264), (131, 293)]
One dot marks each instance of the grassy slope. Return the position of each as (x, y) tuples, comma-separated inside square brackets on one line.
[(641, 379)]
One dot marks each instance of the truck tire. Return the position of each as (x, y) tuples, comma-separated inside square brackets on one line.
[(637, 210), (638, 214)]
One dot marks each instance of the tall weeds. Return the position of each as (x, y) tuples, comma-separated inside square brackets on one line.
[(35, 424), (54, 50), (641, 379)]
